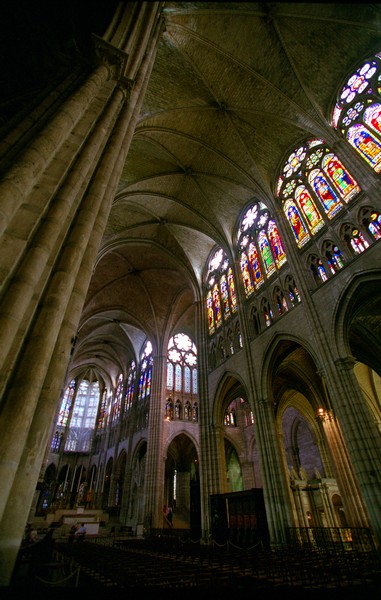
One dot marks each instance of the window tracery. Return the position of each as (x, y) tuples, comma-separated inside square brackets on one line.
[(181, 376), (145, 372), (333, 255), (267, 312), (261, 250), (292, 290), (102, 414), (130, 387), (221, 296), (83, 417), (354, 239), (117, 404), (371, 220), (280, 301), (357, 112), (317, 269), (314, 186)]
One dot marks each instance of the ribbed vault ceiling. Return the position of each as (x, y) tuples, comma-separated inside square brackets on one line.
[(235, 86)]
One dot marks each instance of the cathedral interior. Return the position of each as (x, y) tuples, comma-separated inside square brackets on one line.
[(190, 273)]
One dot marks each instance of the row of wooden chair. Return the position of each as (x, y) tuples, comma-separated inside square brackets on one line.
[(169, 563)]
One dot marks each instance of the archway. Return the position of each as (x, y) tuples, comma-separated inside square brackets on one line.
[(182, 485), (46, 490), (134, 502), (107, 484), (310, 437), (233, 468), (240, 463)]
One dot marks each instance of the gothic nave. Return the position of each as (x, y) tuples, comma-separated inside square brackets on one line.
[(190, 274)]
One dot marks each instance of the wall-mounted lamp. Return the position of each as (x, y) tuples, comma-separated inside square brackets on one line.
[(324, 415)]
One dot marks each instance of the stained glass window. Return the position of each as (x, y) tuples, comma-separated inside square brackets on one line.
[(292, 290), (117, 404), (355, 239), (318, 271), (195, 412), (102, 414), (187, 380), (221, 300), (182, 361), (280, 301), (83, 418), (63, 414), (314, 183), (261, 250), (178, 378), (357, 113), (169, 410), (325, 193), (298, 227), (336, 171), (187, 411), (130, 388), (145, 372), (266, 254), (371, 220), (194, 381), (334, 256), (56, 441), (267, 313), (170, 376), (308, 207)]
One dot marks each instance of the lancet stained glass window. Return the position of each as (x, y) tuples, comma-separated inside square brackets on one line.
[(261, 251), (371, 220), (117, 405), (130, 388), (182, 360), (66, 403), (357, 113), (221, 299), (102, 415), (83, 417), (145, 372), (314, 184)]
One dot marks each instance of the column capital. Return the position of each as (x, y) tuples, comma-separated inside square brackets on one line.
[(345, 363), (125, 85), (265, 402), (110, 56)]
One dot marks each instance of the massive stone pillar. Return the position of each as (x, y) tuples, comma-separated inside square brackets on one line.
[(210, 466), (361, 434), (55, 201), (155, 460), (275, 483)]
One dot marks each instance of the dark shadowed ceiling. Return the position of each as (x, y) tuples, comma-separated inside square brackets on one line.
[(234, 88)]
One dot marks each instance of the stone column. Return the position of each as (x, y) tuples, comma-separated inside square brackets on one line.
[(275, 480), (154, 474), (360, 433), (351, 498), (209, 467), (28, 169), (37, 375), (42, 251)]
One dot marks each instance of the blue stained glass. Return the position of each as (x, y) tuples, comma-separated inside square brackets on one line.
[(169, 376), (187, 377), (178, 374)]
